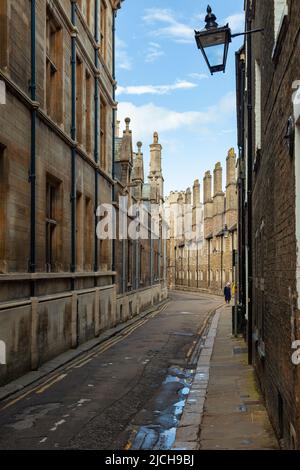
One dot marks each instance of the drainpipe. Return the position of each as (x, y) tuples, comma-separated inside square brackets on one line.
[(159, 255), (222, 254), (182, 277), (208, 274), (113, 127), (32, 173), (124, 276), (197, 266), (96, 135), (151, 256), (241, 187), (188, 265), (73, 151), (137, 261), (175, 277), (249, 181)]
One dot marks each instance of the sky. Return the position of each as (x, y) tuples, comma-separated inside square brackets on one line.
[(164, 85)]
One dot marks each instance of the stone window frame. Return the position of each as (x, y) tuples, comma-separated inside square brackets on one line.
[(88, 233), (53, 223), (4, 34), (54, 67), (281, 12), (79, 231), (258, 107), (129, 263), (86, 8), (79, 98), (103, 29), (88, 111), (103, 133), (140, 263), (84, 232), (3, 205)]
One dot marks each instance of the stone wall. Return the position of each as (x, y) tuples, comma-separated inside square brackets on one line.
[(47, 308), (206, 264), (41, 328), (274, 254)]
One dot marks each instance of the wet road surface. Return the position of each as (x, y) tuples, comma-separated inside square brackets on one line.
[(127, 393)]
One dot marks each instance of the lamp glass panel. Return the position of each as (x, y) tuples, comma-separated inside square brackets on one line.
[(215, 55)]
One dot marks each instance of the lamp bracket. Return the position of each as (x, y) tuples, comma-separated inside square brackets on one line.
[(252, 31)]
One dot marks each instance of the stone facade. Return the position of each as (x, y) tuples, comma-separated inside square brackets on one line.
[(269, 190), (206, 262), (59, 284), (140, 263)]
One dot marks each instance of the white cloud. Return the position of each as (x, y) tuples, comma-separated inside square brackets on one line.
[(236, 22), (227, 131), (154, 52), (198, 76), (122, 58), (148, 117), (172, 28), (155, 89)]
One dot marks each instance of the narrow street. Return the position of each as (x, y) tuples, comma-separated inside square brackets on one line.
[(127, 393)]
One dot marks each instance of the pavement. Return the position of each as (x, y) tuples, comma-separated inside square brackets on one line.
[(125, 390), (224, 409)]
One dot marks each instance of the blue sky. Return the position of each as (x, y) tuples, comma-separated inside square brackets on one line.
[(164, 84)]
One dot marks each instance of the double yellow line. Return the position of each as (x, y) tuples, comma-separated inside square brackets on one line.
[(77, 363)]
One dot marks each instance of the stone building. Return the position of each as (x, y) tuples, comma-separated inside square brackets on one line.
[(269, 181), (58, 281), (205, 262), (139, 263)]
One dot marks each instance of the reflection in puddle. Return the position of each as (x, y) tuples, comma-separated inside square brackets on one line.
[(169, 404)]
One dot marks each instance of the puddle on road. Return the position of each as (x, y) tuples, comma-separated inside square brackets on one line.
[(161, 434)]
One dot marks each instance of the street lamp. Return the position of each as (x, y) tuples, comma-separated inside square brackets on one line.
[(214, 40), (226, 232)]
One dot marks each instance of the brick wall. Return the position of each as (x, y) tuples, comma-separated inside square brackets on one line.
[(273, 236)]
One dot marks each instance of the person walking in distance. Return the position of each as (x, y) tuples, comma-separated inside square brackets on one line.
[(227, 293)]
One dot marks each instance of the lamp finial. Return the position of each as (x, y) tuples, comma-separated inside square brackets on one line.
[(210, 19)]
